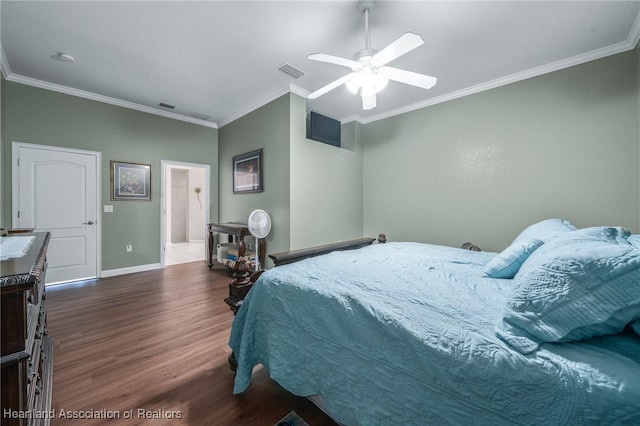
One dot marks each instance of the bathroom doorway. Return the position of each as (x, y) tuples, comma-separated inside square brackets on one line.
[(185, 212)]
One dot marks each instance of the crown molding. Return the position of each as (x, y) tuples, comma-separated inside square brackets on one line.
[(304, 93), (105, 99), (630, 43), (10, 76), (297, 90), (4, 64), (356, 117), (613, 49), (290, 88), (634, 34)]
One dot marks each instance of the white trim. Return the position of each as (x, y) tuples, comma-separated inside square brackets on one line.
[(105, 99), (632, 40), (15, 147), (502, 81), (163, 198), (355, 117), (130, 270), (4, 64), (634, 34), (630, 43), (291, 88), (73, 281), (297, 90)]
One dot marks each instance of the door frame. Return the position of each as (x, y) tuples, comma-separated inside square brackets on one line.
[(163, 198), (15, 148)]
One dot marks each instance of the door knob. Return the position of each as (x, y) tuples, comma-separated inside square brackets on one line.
[(88, 223)]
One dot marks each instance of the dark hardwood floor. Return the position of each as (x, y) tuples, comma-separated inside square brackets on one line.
[(155, 344)]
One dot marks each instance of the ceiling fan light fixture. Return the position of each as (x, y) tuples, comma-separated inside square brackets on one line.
[(367, 82), (369, 71)]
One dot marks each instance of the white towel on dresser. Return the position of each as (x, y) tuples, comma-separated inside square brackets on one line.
[(12, 247)]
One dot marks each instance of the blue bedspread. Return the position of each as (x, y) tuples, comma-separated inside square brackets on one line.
[(403, 333)]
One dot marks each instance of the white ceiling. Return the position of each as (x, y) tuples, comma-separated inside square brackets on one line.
[(221, 58)]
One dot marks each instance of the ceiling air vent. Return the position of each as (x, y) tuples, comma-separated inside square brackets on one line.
[(163, 105), (200, 116), (291, 70)]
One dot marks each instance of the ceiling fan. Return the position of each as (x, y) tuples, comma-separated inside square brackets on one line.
[(369, 71)]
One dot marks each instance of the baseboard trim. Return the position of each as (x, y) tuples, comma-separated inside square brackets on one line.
[(130, 270)]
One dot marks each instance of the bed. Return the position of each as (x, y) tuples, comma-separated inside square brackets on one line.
[(545, 332)]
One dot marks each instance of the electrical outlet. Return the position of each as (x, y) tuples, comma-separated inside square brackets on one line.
[(250, 245), (129, 247)]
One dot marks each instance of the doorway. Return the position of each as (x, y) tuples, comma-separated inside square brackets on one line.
[(179, 205), (185, 211)]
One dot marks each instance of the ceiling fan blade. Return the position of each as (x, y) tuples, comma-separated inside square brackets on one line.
[(409, 77), (404, 44), (331, 86), (369, 102), (322, 57)]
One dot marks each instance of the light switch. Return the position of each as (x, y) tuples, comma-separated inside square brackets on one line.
[(108, 209)]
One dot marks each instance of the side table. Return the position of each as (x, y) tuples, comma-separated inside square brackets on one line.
[(233, 229)]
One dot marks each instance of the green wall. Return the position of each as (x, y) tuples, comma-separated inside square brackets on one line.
[(479, 168), (483, 167), (637, 114), (37, 116), (326, 185), (2, 167), (267, 128), (312, 191)]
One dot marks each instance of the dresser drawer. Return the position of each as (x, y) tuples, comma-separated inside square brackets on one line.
[(42, 402), (34, 373)]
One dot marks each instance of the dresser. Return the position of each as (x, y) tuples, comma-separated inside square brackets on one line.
[(26, 349)]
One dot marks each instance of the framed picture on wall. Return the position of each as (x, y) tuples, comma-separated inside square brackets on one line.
[(247, 172), (130, 181)]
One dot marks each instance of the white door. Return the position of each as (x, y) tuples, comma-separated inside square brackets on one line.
[(56, 190)]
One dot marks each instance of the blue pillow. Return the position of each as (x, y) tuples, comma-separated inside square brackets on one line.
[(546, 230), (636, 326), (582, 284), (507, 263)]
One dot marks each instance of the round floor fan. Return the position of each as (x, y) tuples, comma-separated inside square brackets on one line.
[(259, 225)]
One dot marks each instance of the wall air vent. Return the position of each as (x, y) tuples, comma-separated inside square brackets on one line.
[(163, 105), (291, 70)]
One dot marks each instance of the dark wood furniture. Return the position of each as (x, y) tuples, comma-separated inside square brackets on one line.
[(239, 288), (242, 278), (26, 349), (232, 229), (296, 255)]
